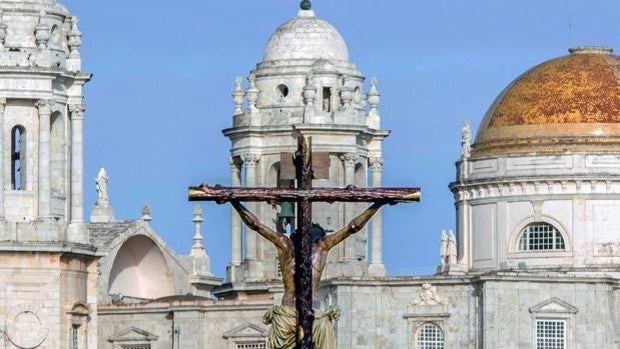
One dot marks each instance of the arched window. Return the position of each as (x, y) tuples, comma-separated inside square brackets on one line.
[(57, 154), (541, 236), (18, 158), (429, 336)]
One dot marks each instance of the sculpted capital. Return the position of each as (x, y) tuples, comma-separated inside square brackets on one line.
[(376, 163), (77, 111), (250, 160), (350, 159), (44, 106)]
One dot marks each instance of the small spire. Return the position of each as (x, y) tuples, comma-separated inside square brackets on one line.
[(198, 249), (146, 213), (306, 5)]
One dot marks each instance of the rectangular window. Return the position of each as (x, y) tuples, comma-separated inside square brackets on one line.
[(550, 334), (75, 335), (136, 346)]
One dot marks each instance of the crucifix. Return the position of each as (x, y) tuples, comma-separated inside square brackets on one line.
[(303, 255)]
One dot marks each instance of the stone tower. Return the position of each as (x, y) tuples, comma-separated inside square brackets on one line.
[(306, 84), (46, 262)]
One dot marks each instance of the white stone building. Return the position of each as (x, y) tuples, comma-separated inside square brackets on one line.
[(533, 263)]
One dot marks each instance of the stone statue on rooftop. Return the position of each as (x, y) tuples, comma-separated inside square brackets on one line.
[(452, 249), (443, 252), (466, 140), (102, 185)]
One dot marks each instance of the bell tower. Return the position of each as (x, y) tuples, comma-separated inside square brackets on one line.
[(41, 115), (46, 262), (306, 84)]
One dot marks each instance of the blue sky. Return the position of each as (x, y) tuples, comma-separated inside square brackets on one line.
[(164, 71)]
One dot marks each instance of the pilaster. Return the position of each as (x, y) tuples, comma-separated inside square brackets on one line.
[(377, 268), (44, 107), (349, 161), (3, 135), (235, 223), (77, 230), (77, 162), (250, 161)]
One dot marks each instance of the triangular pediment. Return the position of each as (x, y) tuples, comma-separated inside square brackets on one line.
[(132, 334), (554, 306), (246, 330)]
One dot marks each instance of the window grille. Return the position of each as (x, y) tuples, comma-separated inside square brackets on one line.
[(550, 334), (253, 345), (136, 346), (430, 336), (541, 237), (75, 333)]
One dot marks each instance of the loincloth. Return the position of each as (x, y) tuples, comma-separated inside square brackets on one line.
[(283, 320)]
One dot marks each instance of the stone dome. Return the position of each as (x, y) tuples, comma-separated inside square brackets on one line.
[(306, 37), (567, 104)]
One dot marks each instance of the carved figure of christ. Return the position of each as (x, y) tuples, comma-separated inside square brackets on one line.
[(301, 259), (320, 248)]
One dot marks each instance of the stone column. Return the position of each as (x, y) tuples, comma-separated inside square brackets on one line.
[(44, 107), (377, 268), (3, 164), (77, 162), (349, 160), (235, 220), (463, 214), (250, 161)]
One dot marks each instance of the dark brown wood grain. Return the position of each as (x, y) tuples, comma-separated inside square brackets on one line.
[(223, 195)]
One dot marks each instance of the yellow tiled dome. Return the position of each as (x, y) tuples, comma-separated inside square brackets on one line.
[(568, 104)]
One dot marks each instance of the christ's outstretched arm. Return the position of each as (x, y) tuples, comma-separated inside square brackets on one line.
[(255, 224), (353, 227)]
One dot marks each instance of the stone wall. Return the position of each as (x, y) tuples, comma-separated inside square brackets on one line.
[(38, 297), (201, 323)]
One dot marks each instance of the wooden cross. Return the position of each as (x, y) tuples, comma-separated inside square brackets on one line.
[(304, 195)]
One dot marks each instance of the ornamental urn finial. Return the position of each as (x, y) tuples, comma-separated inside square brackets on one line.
[(252, 92), (346, 92), (74, 38), (41, 31), (238, 96), (374, 97), (309, 90)]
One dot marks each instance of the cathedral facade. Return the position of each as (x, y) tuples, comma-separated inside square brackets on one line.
[(533, 263)]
